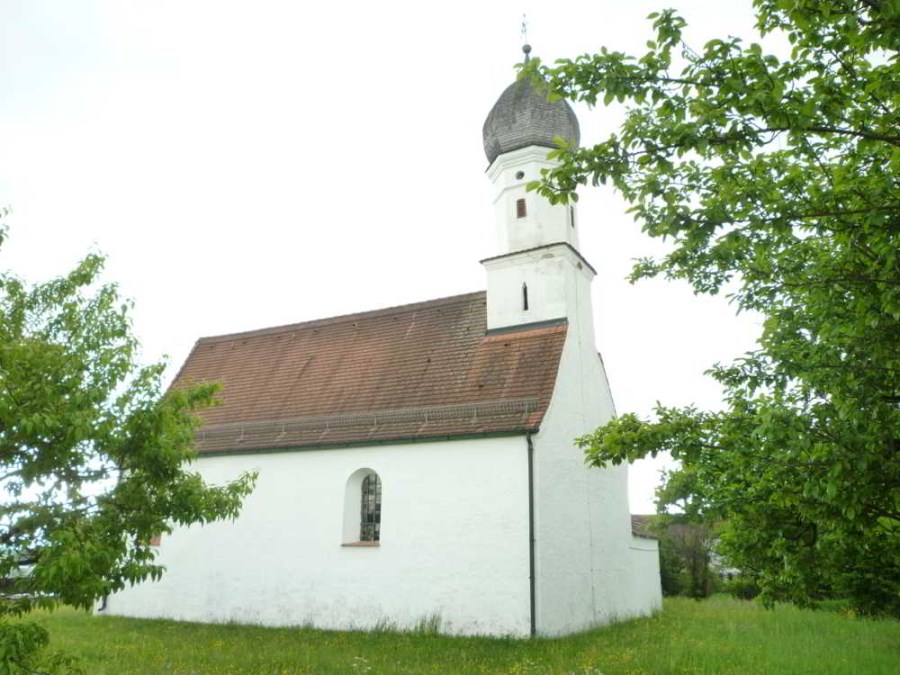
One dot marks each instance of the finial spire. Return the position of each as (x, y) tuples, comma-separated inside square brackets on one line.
[(525, 46)]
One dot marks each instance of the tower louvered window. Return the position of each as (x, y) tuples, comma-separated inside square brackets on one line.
[(521, 212), (370, 513)]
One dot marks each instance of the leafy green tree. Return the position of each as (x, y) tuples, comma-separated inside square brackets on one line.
[(775, 179), (671, 570), (692, 543), (685, 555), (93, 459)]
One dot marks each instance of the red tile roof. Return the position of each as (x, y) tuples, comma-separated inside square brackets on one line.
[(426, 370), (642, 526)]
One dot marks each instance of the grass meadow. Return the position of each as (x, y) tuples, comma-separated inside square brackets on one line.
[(720, 635)]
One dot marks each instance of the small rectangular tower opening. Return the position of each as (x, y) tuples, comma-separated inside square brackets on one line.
[(520, 208)]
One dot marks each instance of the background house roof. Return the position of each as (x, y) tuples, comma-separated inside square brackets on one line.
[(642, 526), (426, 370)]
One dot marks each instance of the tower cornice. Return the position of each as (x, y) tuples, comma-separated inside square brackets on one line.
[(515, 255)]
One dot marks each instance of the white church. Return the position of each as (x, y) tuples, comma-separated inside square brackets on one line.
[(416, 463)]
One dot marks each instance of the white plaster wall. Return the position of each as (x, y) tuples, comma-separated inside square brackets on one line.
[(553, 276), (646, 588), (545, 223), (586, 569), (585, 566), (454, 543)]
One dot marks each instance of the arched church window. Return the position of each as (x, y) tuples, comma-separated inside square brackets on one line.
[(520, 208), (362, 509), (370, 511)]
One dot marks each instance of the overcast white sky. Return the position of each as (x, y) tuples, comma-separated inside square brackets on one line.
[(248, 164)]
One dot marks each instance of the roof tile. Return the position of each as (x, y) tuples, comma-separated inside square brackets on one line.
[(426, 370)]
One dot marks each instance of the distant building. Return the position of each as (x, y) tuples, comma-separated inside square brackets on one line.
[(416, 464)]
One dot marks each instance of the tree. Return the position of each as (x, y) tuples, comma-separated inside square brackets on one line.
[(776, 180), (692, 545), (93, 458), (685, 555)]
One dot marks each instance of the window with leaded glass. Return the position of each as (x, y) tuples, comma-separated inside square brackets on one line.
[(370, 512)]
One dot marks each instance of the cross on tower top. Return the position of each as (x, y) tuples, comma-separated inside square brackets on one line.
[(525, 46)]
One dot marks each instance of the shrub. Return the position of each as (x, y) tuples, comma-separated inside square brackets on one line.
[(742, 588)]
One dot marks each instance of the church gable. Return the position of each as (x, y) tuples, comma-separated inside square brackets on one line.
[(420, 371)]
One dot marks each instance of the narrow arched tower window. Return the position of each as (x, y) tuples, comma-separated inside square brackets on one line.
[(572, 215), (525, 296), (370, 512), (521, 212)]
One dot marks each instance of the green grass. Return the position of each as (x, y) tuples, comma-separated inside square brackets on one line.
[(715, 636)]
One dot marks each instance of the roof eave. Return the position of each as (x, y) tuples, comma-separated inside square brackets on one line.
[(405, 440)]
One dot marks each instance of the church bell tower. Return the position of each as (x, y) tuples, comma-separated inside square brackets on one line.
[(538, 273)]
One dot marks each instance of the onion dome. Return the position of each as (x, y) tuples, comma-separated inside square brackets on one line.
[(523, 116)]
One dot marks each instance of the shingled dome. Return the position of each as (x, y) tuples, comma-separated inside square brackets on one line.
[(523, 116)]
